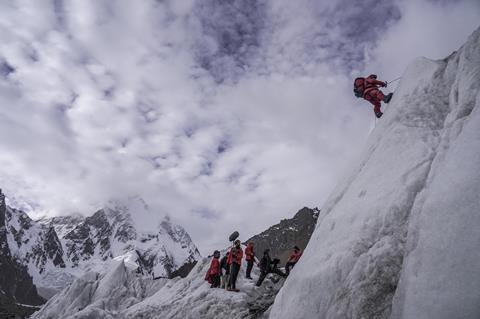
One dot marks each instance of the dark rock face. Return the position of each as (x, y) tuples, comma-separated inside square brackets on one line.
[(53, 247), (16, 286), (83, 239), (282, 237)]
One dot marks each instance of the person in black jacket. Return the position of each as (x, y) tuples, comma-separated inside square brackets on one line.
[(267, 266)]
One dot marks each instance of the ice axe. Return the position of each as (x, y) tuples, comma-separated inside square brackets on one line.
[(395, 80), (389, 82)]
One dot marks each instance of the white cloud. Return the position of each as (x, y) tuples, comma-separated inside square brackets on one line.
[(110, 99)]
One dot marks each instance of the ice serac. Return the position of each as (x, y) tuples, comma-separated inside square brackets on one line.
[(399, 237), (100, 295)]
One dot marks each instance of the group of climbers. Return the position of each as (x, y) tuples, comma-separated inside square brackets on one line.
[(224, 273)]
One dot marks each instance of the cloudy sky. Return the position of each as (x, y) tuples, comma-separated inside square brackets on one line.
[(225, 114)]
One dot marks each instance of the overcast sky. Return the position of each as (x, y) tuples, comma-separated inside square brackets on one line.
[(225, 114)]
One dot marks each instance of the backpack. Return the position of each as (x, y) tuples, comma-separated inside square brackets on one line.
[(359, 87)]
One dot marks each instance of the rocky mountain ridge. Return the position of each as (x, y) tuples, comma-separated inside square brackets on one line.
[(18, 294), (282, 237), (57, 250)]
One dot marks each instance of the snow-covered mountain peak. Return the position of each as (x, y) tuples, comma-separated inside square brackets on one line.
[(114, 231), (62, 224), (141, 216)]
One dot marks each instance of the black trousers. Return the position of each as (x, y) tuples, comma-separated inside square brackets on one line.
[(234, 270), (264, 274), (289, 265), (249, 267), (215, 281)]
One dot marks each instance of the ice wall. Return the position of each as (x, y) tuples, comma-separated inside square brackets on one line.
[(403, 231)]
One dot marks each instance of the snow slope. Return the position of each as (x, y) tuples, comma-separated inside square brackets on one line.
[(399, 238)]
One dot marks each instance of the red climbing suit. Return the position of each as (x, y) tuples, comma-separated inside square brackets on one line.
[(235, 256), (213, 270), (249, 252), (295, 256), (372, 94)]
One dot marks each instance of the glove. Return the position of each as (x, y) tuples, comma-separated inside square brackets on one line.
[(378, 114), (385, 84)]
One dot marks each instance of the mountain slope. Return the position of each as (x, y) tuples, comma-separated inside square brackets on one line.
[(401, 232)]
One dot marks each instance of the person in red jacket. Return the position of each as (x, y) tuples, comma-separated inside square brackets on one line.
[(293, 259), (250, 258), (213, 273), (234, 261), (368, 88)]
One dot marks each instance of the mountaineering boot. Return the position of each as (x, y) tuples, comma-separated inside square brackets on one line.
[(378, 114), (387, 97)]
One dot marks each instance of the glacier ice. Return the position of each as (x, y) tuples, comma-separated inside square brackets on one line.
[(399, 237)]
